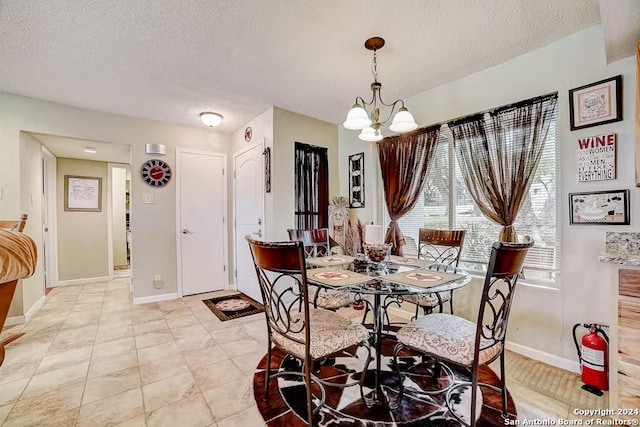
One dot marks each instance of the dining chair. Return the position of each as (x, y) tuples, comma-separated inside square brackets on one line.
[(453, 339), (443, 247), (294, 326), (316, 244), (15, 225)]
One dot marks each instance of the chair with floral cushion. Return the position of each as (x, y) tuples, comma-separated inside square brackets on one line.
[(443, 247), (294, 326), (455, 340), (316, 244)]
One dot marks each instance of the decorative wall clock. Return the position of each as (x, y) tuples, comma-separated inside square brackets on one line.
[(248, 133), (156, 173)]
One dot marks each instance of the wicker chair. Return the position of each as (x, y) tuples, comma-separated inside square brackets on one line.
[(453, 339), (307, 333), (316, 244), (444, 247)]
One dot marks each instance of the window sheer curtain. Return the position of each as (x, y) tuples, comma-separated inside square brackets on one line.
[(498, 154), (311, 186), (404, 163)]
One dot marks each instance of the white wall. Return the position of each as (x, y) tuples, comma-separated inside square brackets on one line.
[(542, 318), (153, 225)]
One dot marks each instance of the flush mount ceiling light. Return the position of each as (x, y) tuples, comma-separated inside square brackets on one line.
[(90, 150), (369, 123), (211, 119)]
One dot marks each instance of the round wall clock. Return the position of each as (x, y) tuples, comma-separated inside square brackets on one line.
[(247, 134), (156, 172)]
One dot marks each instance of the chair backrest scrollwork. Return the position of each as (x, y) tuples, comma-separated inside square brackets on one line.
[(280, 267), (316, 242), (441, 246), (503, 271)]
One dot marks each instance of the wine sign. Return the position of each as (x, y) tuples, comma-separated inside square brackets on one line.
[(597, 158)]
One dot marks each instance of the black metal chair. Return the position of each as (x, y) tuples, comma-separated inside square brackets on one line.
[(444, 247), (295, 327), (316, 244), (453, 339)]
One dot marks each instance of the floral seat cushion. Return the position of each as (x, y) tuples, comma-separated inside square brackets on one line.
[(447, 336), (330, 333), (333, 300), (428, 300)]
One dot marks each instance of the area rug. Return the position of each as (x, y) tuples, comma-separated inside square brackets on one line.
[(233, 306), (422, 405)]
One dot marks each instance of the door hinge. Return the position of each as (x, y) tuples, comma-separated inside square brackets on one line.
[(234, 174), (225, 268), (223, 171), (223, 220)]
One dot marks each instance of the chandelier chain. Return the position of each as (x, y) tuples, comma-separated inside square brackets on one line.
[(374, 67)]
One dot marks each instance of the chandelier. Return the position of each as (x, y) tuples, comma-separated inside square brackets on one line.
[(370, 123)]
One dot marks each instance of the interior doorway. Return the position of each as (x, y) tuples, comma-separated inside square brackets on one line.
[(120, 196)]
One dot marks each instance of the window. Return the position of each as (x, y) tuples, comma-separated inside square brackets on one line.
[(312, 187), (446, 204)]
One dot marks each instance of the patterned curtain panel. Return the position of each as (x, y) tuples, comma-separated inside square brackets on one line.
[(311, 186), (404, 163), (498, 154)]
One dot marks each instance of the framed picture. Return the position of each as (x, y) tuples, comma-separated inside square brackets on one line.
[(597, 158), (596, 103), (356, 180), (82, 193), (599, 207)]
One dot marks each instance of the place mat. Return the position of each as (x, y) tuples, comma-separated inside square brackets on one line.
[(413, 262), (421, 278), (336, 277), (326, 261)]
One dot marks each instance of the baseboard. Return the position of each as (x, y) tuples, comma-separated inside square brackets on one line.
[(155, 298), (549, 359), (35, 308), (82, 281), (24, 318)]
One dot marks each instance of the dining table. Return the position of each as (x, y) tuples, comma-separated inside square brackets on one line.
[(381, 284)]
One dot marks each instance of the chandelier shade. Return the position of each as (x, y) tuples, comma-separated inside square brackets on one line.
[(366, 116), (370, 134), (357, 118)]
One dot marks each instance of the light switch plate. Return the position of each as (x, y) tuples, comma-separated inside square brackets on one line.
[(148, 198)]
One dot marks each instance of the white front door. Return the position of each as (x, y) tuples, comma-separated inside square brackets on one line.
[(201, 223), (249, 215)]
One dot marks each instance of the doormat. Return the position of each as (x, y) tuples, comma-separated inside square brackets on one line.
[(233, 306)]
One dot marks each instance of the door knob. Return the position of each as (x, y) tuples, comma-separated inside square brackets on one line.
[(259, 233), (186, 231), (259, 221)]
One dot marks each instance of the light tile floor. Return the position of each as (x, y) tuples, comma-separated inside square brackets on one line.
[(91, 358)]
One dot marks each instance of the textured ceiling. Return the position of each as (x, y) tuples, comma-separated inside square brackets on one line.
[(620, 27), (169, 60)]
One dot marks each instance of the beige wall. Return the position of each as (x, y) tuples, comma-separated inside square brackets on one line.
[(153, 225), (289, 128), (30, 290), (82, 236)]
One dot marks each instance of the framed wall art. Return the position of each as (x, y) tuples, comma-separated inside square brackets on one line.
[(597, 158), (356, 180), (596, 103), (599, 207), (82, 193)]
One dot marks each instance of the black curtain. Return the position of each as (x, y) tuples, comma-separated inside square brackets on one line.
[(312, 187)]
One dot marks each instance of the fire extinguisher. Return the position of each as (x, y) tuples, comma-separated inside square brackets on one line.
[(594, 358)]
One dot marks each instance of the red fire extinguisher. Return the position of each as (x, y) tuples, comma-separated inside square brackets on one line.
[(594, 358)]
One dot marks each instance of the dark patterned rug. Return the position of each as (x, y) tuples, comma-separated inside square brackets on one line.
[(423, 403), (233, 306)]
